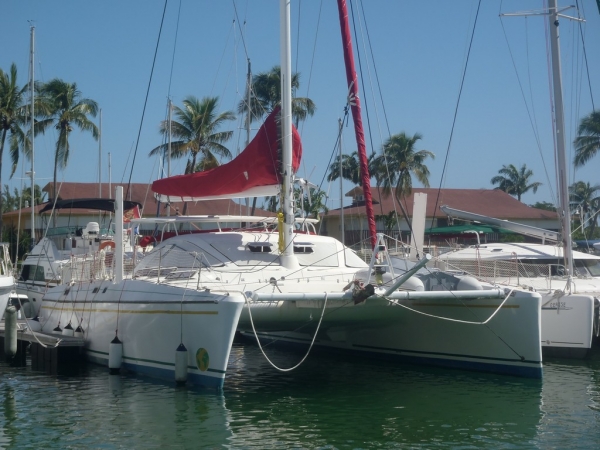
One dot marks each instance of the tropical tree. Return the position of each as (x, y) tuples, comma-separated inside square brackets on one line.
[(585, 198), (587, 142), (389, 221), (350, 168), (314, 206), (398, 162), (16, 200), (12, 117), (266, 95), (196, 127), (544, 205), (66, 109), (401, 162), (515, 181)]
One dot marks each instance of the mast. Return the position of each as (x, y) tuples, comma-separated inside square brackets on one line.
[(32, 87), (288, 259), (562, 174), (561, 158), (100, 158), (358, 128), (340, 124)]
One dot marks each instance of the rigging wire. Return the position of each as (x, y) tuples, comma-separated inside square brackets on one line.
[(530, 111), (146, 100), (462, 82)]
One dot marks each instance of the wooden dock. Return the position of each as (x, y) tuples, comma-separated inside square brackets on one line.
[(48, 351)]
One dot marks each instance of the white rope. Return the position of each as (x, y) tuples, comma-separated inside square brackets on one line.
[(309, 348), (395, 302)]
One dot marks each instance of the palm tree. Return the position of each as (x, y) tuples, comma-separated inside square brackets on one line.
[(316, 205), (397, 164), (12, 116), (515, 181), (402, 161), (585, 197), (196, 128), (587, 143), (350, 169), (266, 95), (66, 109)]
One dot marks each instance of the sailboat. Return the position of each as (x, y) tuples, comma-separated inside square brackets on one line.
[(159, 324), (568, 281), (306, 289)]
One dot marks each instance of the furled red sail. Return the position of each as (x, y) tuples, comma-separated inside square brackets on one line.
[(253, 173)]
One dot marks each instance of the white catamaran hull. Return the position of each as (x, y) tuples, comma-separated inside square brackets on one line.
[(509, 343), (151, 320), (567, 325)]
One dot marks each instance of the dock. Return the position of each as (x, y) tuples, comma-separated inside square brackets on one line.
[(48, 351)]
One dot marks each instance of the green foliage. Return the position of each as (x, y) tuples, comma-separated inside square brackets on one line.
[(14, 201), (13, 117), (65, 109), (512, 238), (316, 206), (196, 128), (266, 95), (587, 142), (544, 205), (9, 234), (585, 206), (389, 220), (515, 181)]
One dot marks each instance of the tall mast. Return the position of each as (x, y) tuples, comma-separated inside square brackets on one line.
[(561, 158), (288, 259), (562, 174), (341, 124), (356, 116), (100, 157), (32, 87)]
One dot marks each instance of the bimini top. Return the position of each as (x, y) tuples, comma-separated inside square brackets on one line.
[(102, 204)]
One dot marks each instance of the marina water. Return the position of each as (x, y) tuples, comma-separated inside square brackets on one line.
[(329, 402)]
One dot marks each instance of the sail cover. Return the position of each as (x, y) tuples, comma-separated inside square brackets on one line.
[(253, 173)]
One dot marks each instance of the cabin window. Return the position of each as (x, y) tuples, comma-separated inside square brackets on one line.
[(260, 247), (181, 274), (303, 247), (592, 266), (32, 272)]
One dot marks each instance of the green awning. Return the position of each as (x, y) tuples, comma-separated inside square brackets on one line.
[(464, 230)]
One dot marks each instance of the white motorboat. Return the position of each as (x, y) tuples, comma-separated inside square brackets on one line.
[(52, 260)]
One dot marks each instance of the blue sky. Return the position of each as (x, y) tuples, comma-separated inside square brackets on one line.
[(415, 58)]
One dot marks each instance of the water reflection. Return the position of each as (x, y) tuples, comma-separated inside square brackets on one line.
[(329, 402)]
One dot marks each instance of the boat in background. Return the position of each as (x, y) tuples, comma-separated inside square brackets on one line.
[(7, 280), (570, 305), (63, 249)]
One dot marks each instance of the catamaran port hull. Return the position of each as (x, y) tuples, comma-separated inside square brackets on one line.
[(446, 332)]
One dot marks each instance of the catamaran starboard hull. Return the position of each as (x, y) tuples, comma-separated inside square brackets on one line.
[(151, 320)]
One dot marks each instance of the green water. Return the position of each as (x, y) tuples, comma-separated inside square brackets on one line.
[(328, 403)]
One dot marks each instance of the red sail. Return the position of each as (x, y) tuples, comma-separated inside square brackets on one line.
[(358, 128), (252, 173)]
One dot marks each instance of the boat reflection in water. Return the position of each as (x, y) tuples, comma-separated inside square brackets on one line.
[(330, 401)]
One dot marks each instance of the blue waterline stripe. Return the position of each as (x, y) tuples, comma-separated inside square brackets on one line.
[(152, 361)]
